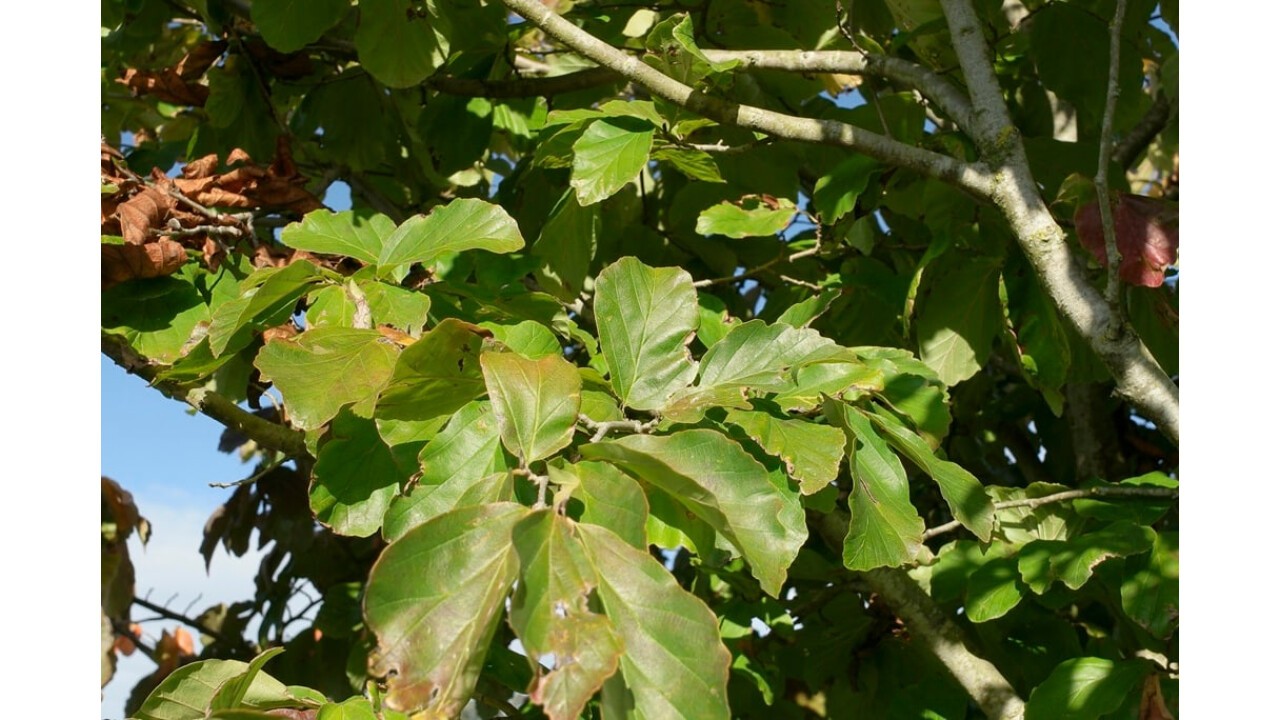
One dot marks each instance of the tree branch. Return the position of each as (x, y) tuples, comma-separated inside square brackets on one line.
[(1139, 379), (936, 88), (1131, 147), (1160, 493), (523, 87), (926, 621), (974, 177), (264, 432), (1115, 296), (195, 624)]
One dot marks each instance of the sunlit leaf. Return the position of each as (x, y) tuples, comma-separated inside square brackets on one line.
[(993, 590), (465, 460), (884, 527), (752, 218), (432, 635), (463, 224), (356, 476), (535, 401), (322, 370), (1150, 591), (344, 233), (611, 499), (608, 155), (1041, 562), (720, 483), (551, 615), (811, 452), (646, 317), (674, 665)]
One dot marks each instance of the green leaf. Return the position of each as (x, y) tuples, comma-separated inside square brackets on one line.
[(837, 379), (397, 49), (464, 460), (673, 51), (158, 316), (993, 590), (811, 452), (692, 163), (356, 708), (752, 355), (463, 224), (675, 665), (1085, 688), (551, 614), (188, 691), (536, 402), (610, 498), (959, 318), (884, 527), (398, 307), (267, 298), (355, 478), (807, 310), (646, 317), (435, 375), (529, 338), (1041, 562), (609, 154), (1021, 525), (432, 635), (344, 233), (566, 247), (289, 26), (232, 692), (964, 494), (749, 217), (323, 370), (720, 483), (836, 193), (1149, 592)]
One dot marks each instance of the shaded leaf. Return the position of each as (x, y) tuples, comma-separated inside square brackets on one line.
[(435, 375), (959, 318), (267, 298), (646, 317), (1146, 236), (397, 48), (289, 26), (566, 246), (674, 665), (720, 483), (158, 316), (535, 401), (836, 193), (1041, 562), (1149, 593), (232, 692), (187, 691), (1084, 689), (355, 478), (323, 370), (432, 635), (673, 51), (993, 590), (551, 614), (692, 163)]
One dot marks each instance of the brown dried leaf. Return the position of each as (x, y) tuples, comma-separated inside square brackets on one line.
[(280, 332), (201, 167), (142, 212), (1152, 706), (194, 64), (126, 262), (118, 504), (165, 85)]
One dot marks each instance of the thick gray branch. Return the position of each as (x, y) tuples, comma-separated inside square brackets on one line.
[(933, 86), (970, 176), (926, 621), (1138, 377), (264, 432)]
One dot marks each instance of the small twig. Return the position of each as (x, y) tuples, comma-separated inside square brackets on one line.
[(747, 274), (604, 428), (167, 613), (498, 703), (1114, 291), (252, 478), (210, 230), (1131, 146), (721, 148), (802, 283), (363, 319), (1097, 492)]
